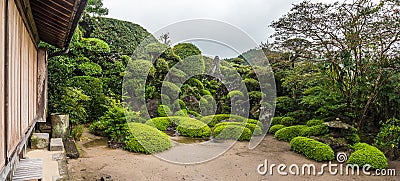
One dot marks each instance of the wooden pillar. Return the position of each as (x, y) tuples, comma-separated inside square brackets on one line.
[(42, 85)]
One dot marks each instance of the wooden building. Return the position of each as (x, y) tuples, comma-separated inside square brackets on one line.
[(23, 71)]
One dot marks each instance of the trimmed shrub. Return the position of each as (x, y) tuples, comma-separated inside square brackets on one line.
[(255, 129), (367, 154), (169, 88), (288, 133), (163, 111), (90, 68), (194, 113), (185, 50), (289, 121), (193, 128), (273, 129), (195, 83), (146, 139), (314, 122), (300, 115), (205, 92), (211, 120), (315, 130), (161, 123), (276, 120), (235, 93), (182, 112), (230, 131), (251, 84), (312, 149)]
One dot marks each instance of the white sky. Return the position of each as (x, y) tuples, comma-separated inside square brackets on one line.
[(251, 16)]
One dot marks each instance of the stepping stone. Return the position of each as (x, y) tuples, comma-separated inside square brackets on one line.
[(39, 140), (56, 144)]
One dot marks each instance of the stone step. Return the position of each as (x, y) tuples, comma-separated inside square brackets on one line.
[(40, 140), (56, 144)]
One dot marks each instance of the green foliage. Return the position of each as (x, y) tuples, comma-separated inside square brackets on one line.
[(352, 136), (254, 128), (276, 120), (77, 131), (182, 112), (251, 84), (314, 122), (195, 83), (211, 120), (312, 149), (300, 115), (288, 133), (229, 131), (234, 93), (94, 46), (194, 113), (163, 111), (273, 129), (169, 88), (367, 154), (72, 103), (146, 139), (284, 104), (156, 48), (289, 121), (205, 92), (388, 138), (90, 68), (95, 8), (161, 123), (193, 65), (185, 50), (316, 130), (193, 128)]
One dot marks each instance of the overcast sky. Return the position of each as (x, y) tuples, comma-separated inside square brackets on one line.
[(251, 16)]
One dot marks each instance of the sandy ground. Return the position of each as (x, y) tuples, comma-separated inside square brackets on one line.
[(238, 163)]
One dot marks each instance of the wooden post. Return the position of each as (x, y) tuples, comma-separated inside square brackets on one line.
[(42, 85)]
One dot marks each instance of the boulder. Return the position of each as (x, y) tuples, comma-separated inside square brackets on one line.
[(59, 125), (40, 140)]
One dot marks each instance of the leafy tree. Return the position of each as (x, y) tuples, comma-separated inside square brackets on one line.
[(95, 8), (359, 42), (185, 50)]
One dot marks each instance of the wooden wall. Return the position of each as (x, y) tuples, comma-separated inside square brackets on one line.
[(2, 121), (22, 78)]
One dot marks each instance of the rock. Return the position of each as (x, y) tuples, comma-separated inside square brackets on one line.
[(59, 124), (56, 144), (337, 125), (106, 178), (337, 144), (39, 140), (70, 149)]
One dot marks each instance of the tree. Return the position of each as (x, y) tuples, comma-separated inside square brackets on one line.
[(95, 8), (164, 38), (359, 41)]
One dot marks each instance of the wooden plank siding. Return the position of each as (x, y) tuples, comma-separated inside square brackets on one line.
[(2, 85), (22, 79)]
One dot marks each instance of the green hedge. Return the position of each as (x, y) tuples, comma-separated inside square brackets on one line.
[(288, 133), (367, 154), (182, 112), (289, 121), (315, 130), (211, 120), (193, 128), (194, 113), (273, 129), (255, 129), (230, 131), (146, 139), (161, 123), (312, 149), (276, 120), (163, 111), (314, 122)]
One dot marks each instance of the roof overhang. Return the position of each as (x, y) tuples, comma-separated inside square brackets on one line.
[(54, 21)]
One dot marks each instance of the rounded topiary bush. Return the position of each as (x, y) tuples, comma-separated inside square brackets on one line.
[(276, 120), (163, 111), (161, 123), (367, 154), (253, 121), (194, 113), (288, 121), (288, 133), (255, 129), (211, 120), (182, 112), (312, 149), (314, 122), (146, 139), (193, 128), (315, 130), (273, 129), (230, 131)]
